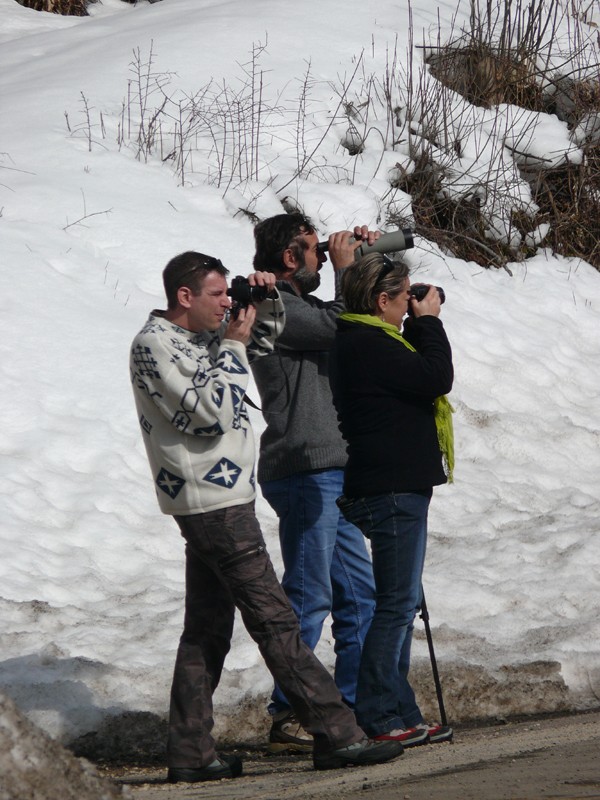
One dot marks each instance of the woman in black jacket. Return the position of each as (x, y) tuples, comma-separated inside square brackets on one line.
[(388, 389)]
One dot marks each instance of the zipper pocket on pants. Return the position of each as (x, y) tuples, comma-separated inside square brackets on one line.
[(242, 555)]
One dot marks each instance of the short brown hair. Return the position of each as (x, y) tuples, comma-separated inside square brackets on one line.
[(189, 269)]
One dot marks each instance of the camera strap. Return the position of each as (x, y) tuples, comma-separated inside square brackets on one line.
[(249, 401)]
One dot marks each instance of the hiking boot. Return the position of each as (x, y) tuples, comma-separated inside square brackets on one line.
[(288, 735), (221, 767), (437, 733), (409, 737), (361, 753)]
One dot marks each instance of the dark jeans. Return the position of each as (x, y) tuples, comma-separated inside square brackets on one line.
[(227, 566), (396, 525)]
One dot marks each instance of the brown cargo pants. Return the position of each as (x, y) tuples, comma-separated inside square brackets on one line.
[(227, 566)]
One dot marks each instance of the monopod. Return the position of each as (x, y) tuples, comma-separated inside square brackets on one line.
[(436, 677)]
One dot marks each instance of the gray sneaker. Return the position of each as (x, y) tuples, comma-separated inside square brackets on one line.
[(288, 735), (359, 754)]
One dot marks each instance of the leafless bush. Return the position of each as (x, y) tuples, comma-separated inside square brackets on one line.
[(140, 120), (221, 127), (73, 8), (86, 128), (367, 104), (311, 163), (455, 222), (460, 129), (466, 169), (511, 54), (503, 55), (569, 198), (465, 194), (506, 57)]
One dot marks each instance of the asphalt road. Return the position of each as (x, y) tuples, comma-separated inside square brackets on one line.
[(544, 758)]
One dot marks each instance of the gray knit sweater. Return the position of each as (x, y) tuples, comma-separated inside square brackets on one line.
[(293, 382)]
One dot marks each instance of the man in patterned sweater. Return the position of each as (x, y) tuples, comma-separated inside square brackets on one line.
[(190, 369)]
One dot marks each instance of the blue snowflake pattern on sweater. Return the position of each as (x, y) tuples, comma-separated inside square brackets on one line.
[(224, 473)]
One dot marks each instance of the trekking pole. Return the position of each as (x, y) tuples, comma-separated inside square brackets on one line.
[(436, 677)]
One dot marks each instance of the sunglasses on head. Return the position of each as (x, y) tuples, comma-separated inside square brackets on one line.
[(388, 266), (208, 263)]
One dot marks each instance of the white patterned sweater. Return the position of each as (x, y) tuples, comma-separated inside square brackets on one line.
[(189, 394)]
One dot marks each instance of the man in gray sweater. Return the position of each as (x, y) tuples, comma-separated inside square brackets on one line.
[(327, 569)]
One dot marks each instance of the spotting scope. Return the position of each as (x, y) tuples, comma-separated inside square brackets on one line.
[(387, 243)]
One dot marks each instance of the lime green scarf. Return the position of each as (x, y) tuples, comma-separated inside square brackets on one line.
[(441, 406)]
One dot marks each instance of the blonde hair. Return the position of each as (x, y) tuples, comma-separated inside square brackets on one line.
[(363, 282)]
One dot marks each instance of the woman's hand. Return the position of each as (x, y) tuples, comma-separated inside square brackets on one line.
[(430, 305)]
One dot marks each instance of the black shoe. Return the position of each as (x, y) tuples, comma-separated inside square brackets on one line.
[(221, 767), (360, 753)]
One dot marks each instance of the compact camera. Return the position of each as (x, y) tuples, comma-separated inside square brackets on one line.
[(419, 290), (242, 294)]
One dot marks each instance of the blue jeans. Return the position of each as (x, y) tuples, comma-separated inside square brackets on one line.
[(396, 525), (327, 570)]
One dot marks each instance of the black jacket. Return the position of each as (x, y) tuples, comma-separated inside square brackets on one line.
[(383, 393)]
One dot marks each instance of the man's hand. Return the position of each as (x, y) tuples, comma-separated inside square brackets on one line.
[(266, 279), (239, 329), (343, 244)]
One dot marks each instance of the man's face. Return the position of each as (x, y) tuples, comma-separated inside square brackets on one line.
[(207, 309), (306, 276)]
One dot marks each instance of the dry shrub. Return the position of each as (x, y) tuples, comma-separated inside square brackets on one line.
[(455, 224), (569, 198), (72, 8), (486, 77), (572, 99), (499, 59), (504, 58)]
